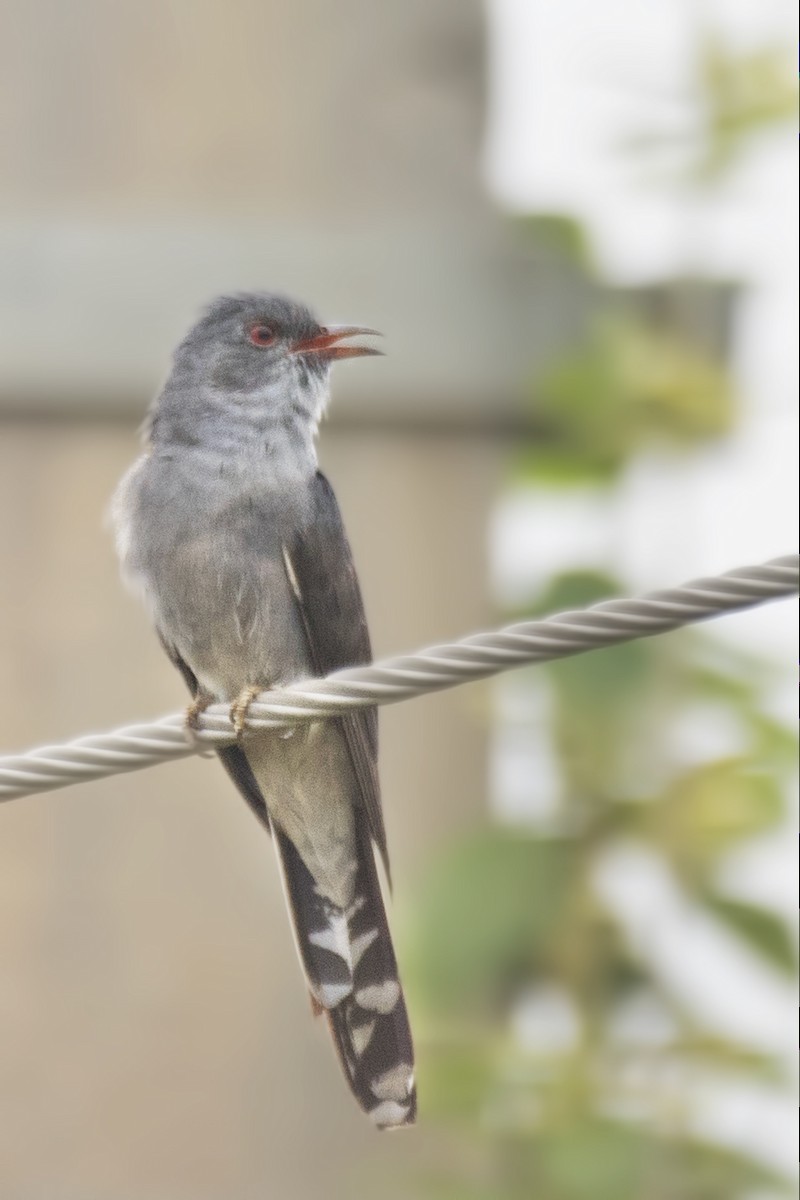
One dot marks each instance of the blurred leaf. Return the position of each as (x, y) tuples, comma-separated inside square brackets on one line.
[(708, 810), (482, 918), (728, 687), (603, 683), (564, 236), (598, 703), (738, 96), (606, 682), (605, 1160), (763, 931), (746, 94), (631, 385), (739, 680), (591, 957), (573, 589), (455, 1076), (773, 743), (596, 1160), (701, 1171), (697, 1048)]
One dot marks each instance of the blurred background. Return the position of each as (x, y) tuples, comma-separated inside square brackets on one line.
[(576, 225)]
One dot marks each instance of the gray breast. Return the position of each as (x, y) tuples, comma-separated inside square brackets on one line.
[(207, 548)]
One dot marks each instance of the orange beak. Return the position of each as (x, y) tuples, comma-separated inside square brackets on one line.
[(325, 342)]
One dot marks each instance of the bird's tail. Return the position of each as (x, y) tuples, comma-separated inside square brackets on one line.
[(351, 970)]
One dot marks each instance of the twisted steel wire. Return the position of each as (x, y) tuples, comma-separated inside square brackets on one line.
[(402, 677)]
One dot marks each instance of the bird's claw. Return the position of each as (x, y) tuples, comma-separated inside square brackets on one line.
[(196, 709), (194, 712), (241, 706)]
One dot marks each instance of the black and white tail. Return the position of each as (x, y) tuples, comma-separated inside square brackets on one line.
[(351, 970)]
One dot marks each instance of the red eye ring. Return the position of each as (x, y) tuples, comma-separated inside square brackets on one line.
[(261, 335)]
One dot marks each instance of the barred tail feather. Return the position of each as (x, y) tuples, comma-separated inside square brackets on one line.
[(352, 975)]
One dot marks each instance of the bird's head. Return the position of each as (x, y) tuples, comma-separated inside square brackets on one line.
[(263, 353)]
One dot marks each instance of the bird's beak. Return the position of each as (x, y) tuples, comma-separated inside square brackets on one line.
[(324, 343)]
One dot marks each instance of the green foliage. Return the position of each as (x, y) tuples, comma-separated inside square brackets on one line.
[(469, 956), (606, 1110), (606, 1160), (558, 236), (739, 96), (706, 810), (746, 93), (508, 911), (761, 929), (631, 386)]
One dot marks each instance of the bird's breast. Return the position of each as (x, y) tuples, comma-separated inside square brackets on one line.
[(209, 556)]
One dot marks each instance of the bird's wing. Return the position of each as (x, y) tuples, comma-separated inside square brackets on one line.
[(319, 566), (347, 953)]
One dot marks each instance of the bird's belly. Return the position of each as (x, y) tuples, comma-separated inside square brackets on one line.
[(307, 779), (232, 617)]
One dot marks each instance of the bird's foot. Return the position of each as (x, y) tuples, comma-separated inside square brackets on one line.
[(195, 711), (241, 707)]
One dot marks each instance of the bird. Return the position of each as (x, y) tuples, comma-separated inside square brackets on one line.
[(232, 536)]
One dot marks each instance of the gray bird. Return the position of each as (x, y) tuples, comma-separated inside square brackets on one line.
[(234, 539)]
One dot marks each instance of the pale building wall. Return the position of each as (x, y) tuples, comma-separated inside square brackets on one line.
[(155, 1038)]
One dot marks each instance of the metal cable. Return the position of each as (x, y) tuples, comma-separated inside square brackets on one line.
[(400, 678)]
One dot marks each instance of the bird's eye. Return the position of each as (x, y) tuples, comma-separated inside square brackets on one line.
[(261, 335)]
